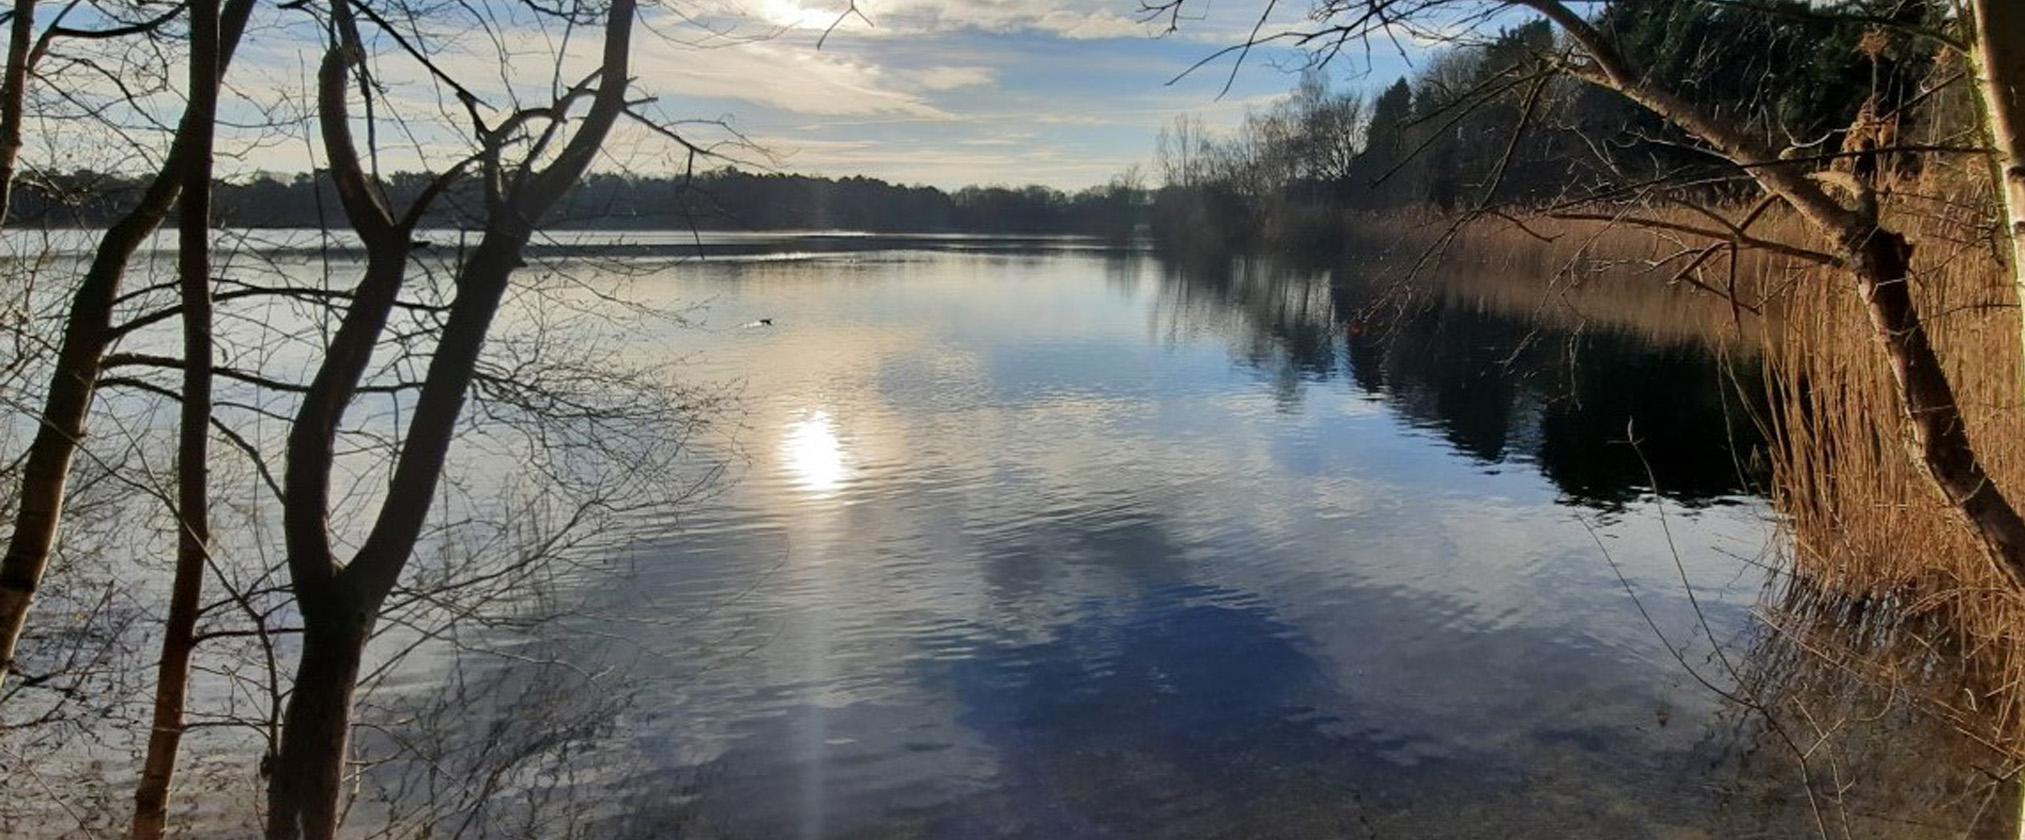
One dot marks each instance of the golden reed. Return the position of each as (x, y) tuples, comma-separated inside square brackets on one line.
[(1882, 579)]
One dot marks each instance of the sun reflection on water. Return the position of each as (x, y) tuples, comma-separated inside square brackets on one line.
[(813, 455)]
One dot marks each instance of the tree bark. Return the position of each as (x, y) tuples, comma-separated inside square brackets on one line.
[(305, 788), (87, 332), (2000, 66), (1883, 268), (14, 95), (193, 486)]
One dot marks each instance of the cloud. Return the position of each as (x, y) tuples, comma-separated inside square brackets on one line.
[(1061, 18), (796, 79), (1013, 139), (777, 74), (951, 78), (952, 164), (976, 91)]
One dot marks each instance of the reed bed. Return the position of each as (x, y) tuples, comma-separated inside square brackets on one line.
[(1583, 276), (1884, 579), (1877, 551), (1890, 669), (1572, 275)]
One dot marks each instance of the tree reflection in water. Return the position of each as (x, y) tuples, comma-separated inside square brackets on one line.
[(1830, 707), (1131, 639)]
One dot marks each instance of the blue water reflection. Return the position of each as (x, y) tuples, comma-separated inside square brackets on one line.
[(1075, 544)]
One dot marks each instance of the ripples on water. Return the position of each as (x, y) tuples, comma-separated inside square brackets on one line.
[(1076, 544)]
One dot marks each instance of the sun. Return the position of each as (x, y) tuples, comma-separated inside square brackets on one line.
[(791, 14)]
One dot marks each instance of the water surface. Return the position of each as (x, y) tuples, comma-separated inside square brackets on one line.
[(1058, 542)]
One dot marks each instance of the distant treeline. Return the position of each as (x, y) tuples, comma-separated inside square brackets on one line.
[(1497, 126), (727, 199)]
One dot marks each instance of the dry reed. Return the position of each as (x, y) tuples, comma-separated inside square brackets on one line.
[(1885, 579), (1875, 544)]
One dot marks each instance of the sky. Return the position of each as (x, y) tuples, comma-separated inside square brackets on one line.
[(1064, 93), (954, 92)]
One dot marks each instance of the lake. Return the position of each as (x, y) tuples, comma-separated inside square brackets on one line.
[(1051, 540), (1043, 538)]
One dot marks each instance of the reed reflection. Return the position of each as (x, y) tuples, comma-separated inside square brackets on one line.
[(1499, 386)]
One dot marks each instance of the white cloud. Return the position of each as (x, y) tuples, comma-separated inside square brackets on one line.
[(778, 74), (1013, 139), (1062, 18), (951, 78), (788, 77)]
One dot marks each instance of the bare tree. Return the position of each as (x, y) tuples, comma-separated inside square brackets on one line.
[(73, 380), (1179, 151), (1877, 258), (192, 515), (341, 602), (14, 93)]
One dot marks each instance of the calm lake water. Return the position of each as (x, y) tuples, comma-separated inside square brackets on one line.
[(1047, 540)]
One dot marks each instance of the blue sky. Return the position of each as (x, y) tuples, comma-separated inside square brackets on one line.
[(940, 92), (952, 92)]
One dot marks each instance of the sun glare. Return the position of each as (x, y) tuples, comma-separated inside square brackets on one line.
[(813, 455), (792, 15)]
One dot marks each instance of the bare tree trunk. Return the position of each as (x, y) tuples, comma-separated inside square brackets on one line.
[(2000, 64), (304, 791), (1883, 268), (193, 485), (14, 95), (86, 334), (339, 610), (44, 476)]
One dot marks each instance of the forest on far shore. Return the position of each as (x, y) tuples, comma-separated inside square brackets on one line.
[(722, 199)]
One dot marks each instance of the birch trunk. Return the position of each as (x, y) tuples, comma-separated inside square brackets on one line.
[(2000, 65), (14, 94), (87, 332), (193, 485)]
